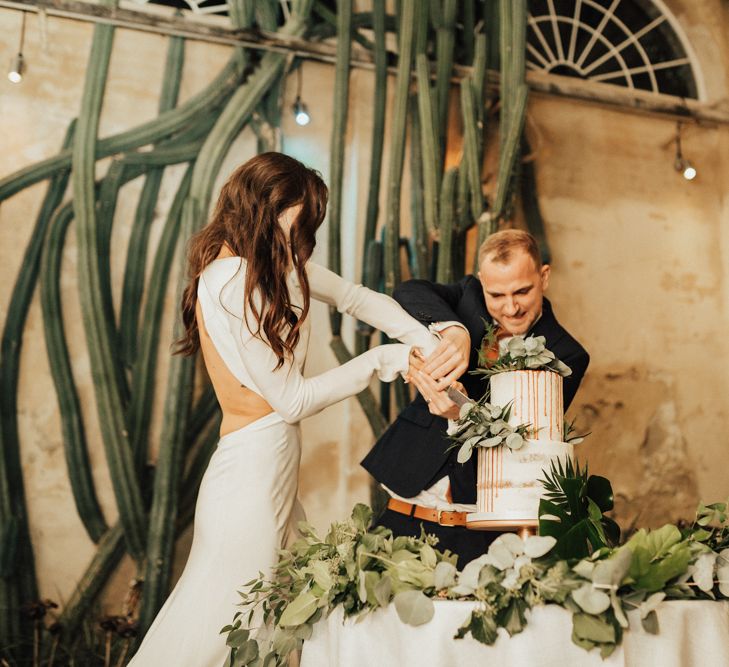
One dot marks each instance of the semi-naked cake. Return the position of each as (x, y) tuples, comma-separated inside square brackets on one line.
[(508, 490)]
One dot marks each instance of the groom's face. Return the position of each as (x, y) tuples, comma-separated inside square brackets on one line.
[(513, 290)]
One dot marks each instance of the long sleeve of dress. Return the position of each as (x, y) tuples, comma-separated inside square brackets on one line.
[(253, 362), (378, 310)]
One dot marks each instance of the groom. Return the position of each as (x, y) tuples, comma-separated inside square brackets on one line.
[(413, 459)]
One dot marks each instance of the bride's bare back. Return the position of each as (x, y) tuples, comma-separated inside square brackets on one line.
[(240, 406)]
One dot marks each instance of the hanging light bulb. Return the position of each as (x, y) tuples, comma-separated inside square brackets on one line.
[(681, 164), (301, 111), (17, 67), (17, 64), (689, 171)]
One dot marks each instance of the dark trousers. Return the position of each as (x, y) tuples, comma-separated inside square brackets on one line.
[(466, 544)]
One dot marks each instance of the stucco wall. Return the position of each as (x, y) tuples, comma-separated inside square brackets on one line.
[(640, 276)]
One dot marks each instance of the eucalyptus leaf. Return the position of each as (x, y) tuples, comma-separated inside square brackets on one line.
[(536, 546), (651, 604), (593, 628), (612, 571), (413, 607), (361, 516), (483, 628), (722, 575), (246, 653), (283, 641), (320, 571), (361, 586), (465, 450), (468, 577), (465, 409), (428, 556), (513, 617), (444, 575), (512, 542), (703, 571), (499, 555), (491, 442), (514, 441), (650, 623), (516, 347), (238, 637), (383, 590), (499, 426), (590, 599), (618, 610), (495, 412)]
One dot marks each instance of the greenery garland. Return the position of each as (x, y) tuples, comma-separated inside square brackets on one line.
[(363, 569)]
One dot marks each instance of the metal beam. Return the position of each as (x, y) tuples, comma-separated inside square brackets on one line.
[(160, 20)]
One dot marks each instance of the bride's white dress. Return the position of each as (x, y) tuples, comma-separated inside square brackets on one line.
[(247, 501)]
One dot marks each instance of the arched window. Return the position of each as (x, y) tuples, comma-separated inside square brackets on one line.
[(632, 43)]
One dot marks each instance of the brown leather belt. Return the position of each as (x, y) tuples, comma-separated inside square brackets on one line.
[(440, 517)]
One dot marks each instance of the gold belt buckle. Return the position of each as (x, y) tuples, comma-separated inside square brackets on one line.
[(440, 513)]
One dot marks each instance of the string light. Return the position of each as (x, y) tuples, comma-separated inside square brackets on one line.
[(682, 164), (17, 64), (301, 111)]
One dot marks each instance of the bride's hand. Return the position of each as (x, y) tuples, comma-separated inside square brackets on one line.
[(416, 361), (436, 398)]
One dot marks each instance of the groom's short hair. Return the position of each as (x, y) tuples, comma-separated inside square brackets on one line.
[(498, 247)]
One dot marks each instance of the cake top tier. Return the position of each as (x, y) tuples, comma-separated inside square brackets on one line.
[(535, 398)]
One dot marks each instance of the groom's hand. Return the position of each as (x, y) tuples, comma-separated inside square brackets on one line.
[(449, 360), (436, 398)]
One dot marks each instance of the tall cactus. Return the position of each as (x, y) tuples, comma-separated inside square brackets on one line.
[(446, 226), (419, 233), (100, 338), (444, 18), (471, 143), (16, 556), (152, 131), (74, 436), (336, 150), (364, 331), (429, 146), (397, 145), (133, 285), (513, 97)]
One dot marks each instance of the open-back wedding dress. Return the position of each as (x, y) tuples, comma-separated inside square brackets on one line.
[(247, 500)]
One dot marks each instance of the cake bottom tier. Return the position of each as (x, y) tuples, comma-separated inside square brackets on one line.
[(508, 486)]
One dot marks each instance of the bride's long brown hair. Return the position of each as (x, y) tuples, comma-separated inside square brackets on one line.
[(246, 219)]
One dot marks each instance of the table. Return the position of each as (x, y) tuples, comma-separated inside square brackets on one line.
[(692, 634)]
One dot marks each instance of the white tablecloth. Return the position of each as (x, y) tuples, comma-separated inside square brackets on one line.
[(692, 634)]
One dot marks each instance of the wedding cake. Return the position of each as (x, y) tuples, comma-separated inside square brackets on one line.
[(508, 490)]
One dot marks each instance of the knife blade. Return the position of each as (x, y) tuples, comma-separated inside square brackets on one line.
[(458, 397)]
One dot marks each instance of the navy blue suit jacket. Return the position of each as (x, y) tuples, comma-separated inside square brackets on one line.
[(414, 452)]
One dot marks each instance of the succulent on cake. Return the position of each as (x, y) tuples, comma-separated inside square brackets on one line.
[(481, 424), (517, 353)]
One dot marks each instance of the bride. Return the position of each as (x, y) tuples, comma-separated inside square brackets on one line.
[(247, 308)]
